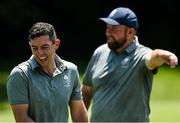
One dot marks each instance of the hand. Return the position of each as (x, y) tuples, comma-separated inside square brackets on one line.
[(158, 57), (168, 58)]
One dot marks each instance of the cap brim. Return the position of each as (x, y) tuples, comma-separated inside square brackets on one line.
[(109, 21)]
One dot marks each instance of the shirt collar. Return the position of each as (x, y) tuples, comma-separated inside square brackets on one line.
[(33, 62), (59, 62), (132, 46)]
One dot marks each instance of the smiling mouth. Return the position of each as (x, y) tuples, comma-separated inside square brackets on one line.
[(42, 59)]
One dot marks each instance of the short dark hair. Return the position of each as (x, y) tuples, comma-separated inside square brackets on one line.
[(42, 28)]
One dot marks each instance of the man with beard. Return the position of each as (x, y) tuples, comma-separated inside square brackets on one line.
[(119, 76), (43, 88)]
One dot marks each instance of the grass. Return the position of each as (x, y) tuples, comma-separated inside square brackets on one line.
[(165, 111), (6, 114), (165, 97), (165, 84)]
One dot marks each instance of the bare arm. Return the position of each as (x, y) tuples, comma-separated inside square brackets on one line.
[(20, 112), (78, 111), (87, 95), (158, 57)]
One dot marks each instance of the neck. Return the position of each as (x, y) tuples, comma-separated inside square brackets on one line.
[(126, 45), (50, 69)]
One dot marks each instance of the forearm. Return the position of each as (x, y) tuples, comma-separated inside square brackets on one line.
[(158, 57), (78, 111), (23, 118), (87, 96), (87, 101), (80, 117), (20, 112)]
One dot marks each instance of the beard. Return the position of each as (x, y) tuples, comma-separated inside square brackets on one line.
[(114, 44)]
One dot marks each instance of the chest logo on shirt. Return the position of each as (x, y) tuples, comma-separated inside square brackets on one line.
[(125, 62), (66, 81)]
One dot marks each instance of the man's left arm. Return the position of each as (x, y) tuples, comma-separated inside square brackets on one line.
[(78, 111), (158, 57)]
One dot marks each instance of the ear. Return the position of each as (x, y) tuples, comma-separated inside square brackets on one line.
[(57, 43), (130, 31), (29, 43)]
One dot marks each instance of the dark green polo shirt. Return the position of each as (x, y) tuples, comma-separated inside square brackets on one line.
[(48, 96), (121, 84)]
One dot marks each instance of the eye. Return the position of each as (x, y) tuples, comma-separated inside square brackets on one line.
[(34, 48), (45, 47)]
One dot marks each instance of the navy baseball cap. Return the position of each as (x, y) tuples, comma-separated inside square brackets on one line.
[(122, 16)]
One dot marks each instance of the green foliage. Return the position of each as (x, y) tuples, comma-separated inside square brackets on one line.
[(165, 111), (3, 90), (165, 96), (6, 114), (166, 84)]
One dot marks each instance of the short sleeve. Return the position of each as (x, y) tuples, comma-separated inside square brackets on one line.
[(154, 71), (87, 77), (76, 92), (17, 87)]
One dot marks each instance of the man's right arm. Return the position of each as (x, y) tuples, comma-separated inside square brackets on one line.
[(20, 112), (87, 95), (158, 57)]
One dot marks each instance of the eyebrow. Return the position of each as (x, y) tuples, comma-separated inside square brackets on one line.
[(41, 45)]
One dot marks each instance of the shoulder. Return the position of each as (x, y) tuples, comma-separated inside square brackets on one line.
[(20, 71), (18, 75), (143, 50), (24, 66), (101, 49)]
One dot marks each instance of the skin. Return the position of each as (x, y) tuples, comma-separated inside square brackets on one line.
[(118, 39), (44, 52), (78, 111)]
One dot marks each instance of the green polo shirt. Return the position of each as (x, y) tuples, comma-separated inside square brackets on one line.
[(121, 84), (48, 96)]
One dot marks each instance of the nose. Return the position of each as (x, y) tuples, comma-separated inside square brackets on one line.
[(108, 31), (40, 51)]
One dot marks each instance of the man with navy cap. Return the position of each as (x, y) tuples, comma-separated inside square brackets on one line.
[(119, 76)]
